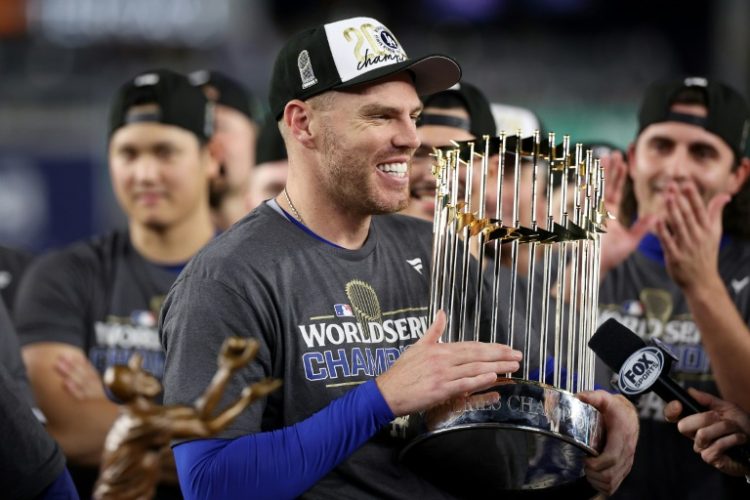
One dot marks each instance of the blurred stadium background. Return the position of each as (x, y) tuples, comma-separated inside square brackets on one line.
[(580, 64)]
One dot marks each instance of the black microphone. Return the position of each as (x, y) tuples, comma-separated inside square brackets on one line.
[(641, 368)]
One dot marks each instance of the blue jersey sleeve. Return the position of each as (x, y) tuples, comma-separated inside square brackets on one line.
[(283, 463)]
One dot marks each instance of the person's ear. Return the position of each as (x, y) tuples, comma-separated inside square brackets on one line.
[(213, 155), (738, 176), (298, 119)]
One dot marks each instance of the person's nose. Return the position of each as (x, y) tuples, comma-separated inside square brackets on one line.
[(146, 170), (676, 166), (406, 136)]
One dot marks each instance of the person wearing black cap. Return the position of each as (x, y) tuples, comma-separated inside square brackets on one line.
[(334, 286), (459, 113), (235, 136), (680, 270), (92, 305)]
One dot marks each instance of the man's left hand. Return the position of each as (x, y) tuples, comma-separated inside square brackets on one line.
[(606, 471)]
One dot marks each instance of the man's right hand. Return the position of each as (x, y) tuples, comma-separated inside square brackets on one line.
[(619, 241), (714, 431), (430, 372)]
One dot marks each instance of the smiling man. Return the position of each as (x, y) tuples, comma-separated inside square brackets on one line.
[(334, 286), (94, 304), (685, 281)]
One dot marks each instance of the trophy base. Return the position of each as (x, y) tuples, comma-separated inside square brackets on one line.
[(534, 437)]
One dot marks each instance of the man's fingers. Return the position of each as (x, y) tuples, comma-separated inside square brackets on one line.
[(471, 384), (435, 331), (703, 398), (472, 369), (467, 352), (672, 411)]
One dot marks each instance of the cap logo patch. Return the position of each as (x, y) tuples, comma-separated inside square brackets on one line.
[(306, 72), (146, 79), (696, 81), (361, 44)]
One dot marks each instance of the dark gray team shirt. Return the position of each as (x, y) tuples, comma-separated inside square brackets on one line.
[(640, 294), (13, 262), (327, 319), (101, 296)]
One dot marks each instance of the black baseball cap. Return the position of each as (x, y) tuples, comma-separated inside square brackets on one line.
[(229, 91), (180, 103), (349, 52), (480, 123), (728, 114)]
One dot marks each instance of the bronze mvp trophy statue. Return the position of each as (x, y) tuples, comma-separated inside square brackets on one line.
[(528, 433)]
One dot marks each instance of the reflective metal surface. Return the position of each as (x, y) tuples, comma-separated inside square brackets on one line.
[(519, 435)]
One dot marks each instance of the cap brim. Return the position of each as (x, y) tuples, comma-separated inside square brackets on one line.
[(433, 73)]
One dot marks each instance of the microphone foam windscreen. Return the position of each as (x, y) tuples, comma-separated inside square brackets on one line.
[(614, 343)]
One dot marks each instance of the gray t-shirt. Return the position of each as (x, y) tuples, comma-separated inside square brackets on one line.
[(640, 294), (327, 319)]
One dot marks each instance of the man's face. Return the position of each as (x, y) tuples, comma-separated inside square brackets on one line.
[(676, 152), (235, 137), (367, 139), (421, 180), (268, 180), (159, 173)]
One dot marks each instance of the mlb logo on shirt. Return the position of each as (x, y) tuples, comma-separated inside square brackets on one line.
[(632, 308), (343, 310), (143, 318)]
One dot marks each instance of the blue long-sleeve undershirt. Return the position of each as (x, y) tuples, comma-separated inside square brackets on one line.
[(283, 463)]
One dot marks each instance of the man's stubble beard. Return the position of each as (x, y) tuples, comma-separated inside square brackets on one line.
[(344, 173)]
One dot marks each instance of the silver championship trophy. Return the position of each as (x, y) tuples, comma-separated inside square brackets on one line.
[(531, 284)]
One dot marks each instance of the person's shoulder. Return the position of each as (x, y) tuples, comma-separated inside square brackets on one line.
[(14, 257), (249, 242), (403, 224), (90, 253)]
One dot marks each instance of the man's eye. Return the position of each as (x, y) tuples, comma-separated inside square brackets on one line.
[(164, 153), (703, 153)]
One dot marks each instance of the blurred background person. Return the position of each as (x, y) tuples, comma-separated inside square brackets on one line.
[(32, 463), (268, 178), (92, 305), (678, 272), (13, 262), (460, 113), (235, 136)]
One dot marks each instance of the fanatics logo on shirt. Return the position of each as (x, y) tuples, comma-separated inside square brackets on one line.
[(343, 310), (416, 264)]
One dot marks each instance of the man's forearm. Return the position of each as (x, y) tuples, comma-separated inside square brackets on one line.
[(725, 337), (81, 433)]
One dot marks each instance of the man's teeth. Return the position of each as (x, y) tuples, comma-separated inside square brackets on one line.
[(396, 169)]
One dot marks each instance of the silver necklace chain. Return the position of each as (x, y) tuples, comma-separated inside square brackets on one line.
[(291, 205)]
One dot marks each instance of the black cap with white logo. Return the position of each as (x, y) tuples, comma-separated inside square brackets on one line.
[(179, 103), (728, 112), (345, 53)]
